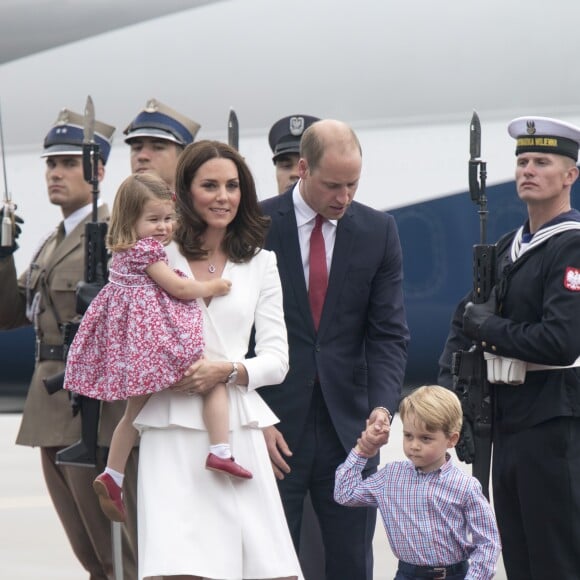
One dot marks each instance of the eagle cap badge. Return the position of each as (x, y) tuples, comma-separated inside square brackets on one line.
[(296, 126)]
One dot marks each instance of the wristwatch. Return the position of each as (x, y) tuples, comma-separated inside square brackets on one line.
[(233, 376)]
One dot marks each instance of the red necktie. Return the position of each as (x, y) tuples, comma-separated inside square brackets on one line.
[(318, 278)]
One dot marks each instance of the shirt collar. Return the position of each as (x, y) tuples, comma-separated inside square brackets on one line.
[(75, 218), (442, 470), (304, 213)]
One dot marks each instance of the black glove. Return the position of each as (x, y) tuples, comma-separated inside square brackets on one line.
[(9, 250), (476, 314), (465, 447)]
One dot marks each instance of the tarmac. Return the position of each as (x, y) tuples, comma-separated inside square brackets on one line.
[(33, 545)]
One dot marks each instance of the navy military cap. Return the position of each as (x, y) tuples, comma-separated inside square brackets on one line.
[(159, 121), (66, 136), (285, 134), (545, 135)]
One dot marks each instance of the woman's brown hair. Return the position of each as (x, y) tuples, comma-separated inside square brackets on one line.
[(246, 233)]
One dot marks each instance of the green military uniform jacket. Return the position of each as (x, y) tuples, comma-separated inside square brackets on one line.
[(47, 420)]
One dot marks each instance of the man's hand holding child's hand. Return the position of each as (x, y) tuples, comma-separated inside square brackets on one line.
[(375, 435)]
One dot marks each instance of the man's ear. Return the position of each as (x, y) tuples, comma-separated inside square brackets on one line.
[(573, 174), (302, 168)]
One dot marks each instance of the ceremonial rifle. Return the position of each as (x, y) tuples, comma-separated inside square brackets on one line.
[(8, 218), (468, 367), (84, 452), (233, 130), (96, 255)]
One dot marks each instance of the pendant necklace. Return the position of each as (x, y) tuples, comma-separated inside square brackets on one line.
[(211, 267)]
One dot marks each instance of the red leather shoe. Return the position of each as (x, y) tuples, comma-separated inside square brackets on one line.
[(110, 497), (229, 466)]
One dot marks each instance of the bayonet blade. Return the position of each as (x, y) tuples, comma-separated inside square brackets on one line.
[(89, 122), (233, 130), (6, 193), (8, 223), (475, 137)]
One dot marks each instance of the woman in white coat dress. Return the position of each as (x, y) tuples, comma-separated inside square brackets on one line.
[(193, 522)]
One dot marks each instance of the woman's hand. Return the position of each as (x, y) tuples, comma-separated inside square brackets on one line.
[(202, 376)]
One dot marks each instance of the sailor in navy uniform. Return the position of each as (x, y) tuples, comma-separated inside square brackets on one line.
[(530, 332)]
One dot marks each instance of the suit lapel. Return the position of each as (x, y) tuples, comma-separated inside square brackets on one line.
[(288, 252), (74, 239), (68, 245)]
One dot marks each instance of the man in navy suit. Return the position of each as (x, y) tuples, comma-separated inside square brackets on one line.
[(350, 364)]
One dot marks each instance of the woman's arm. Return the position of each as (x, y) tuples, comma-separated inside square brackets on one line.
[(270, 365)]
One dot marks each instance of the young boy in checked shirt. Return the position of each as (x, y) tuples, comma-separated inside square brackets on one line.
[(439, 523)]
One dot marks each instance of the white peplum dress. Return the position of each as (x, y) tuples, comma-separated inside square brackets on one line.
[(193, 521)]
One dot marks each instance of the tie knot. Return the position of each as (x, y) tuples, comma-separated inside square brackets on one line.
[(318, 221), (60, 232)]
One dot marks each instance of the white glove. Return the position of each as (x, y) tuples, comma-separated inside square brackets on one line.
[(500, 369)]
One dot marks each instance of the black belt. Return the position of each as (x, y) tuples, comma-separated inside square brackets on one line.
[(49, 351), (434, 572)]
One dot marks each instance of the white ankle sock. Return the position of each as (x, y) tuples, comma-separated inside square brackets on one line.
[(117, 477), (222, 450)]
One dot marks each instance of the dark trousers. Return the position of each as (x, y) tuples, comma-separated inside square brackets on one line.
[(347, 533), (311, 551), (536, 491)]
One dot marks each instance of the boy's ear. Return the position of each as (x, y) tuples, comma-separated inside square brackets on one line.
[(452, 440)]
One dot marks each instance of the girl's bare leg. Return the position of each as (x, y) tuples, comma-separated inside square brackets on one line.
[(216, 414), (125, 435)]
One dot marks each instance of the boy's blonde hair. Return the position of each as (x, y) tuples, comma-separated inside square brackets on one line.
[(130, 200), (437, 407)]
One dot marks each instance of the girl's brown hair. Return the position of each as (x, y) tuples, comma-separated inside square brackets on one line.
[(130, 200)]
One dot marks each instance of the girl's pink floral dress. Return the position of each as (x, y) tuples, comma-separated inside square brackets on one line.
[(134, 339)]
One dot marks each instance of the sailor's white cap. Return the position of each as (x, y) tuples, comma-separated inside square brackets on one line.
[(545, 135)]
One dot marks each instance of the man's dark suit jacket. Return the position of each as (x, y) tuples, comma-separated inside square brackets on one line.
[(360, 351)]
